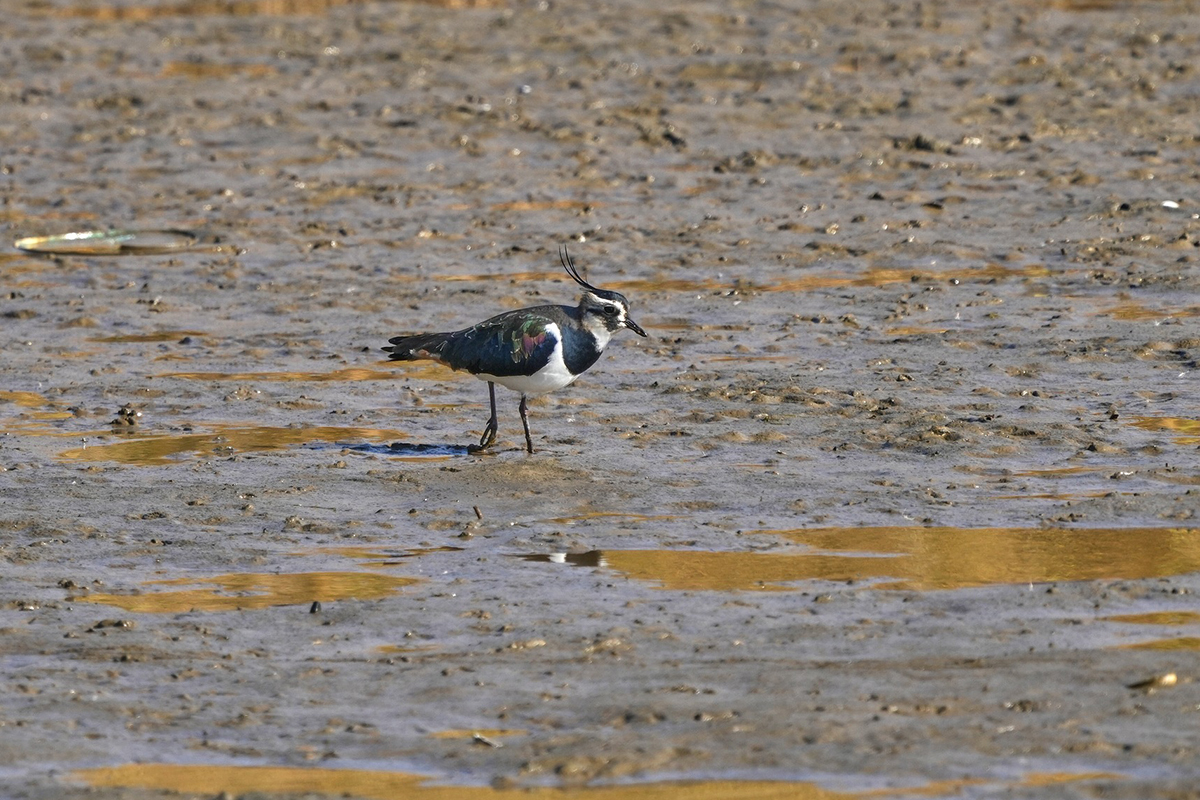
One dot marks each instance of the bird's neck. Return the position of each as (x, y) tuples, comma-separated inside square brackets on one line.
[(593, 328)]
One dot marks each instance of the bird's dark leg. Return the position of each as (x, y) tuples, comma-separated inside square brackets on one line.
[(525, 422), (489, 431)]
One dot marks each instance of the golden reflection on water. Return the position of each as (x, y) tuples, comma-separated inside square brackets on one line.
[(1136, 312), (725, 571), (373, 785), (1055, 778), (1059, 472), (1182, 643), (202, 70), (254, 590), (47, 411), (378, 785), (160, 449), (24, 399), (402, 649), (1187, 431), (1159, 618), (916, 558), (914, 330), (944, 558), (1162, 618)]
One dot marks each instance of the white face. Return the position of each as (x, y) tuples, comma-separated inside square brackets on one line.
[(602, 317)]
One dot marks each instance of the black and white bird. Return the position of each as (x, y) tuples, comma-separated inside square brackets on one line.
[(531, 350)]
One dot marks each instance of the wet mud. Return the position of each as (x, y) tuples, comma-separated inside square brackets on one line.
[(898, 499)]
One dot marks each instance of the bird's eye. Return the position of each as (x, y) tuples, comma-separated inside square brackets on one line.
[(610, 311)]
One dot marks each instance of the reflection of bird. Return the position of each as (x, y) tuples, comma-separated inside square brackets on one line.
[(531, 350)]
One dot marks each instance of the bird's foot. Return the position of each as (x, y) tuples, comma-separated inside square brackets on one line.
[(485, 441)]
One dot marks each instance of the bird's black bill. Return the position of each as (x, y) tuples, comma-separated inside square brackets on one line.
[(633, 326)]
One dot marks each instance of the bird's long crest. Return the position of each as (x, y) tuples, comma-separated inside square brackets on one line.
[(569, 266)]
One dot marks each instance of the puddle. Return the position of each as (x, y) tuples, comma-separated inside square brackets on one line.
[(378, 785), (944, 558), (1186, 431), (41, 408), (1059, 472), (1136, 312), (1182, 643), (412, 451), (32, 425), (205, 70), (404, 649), (912, 558), (1056, 778), (241, 591), (914, 330), (25, 399), (46, 410), (347, 374), (1174, 618), (149, 450), (723, 571), (154, 336), (1159, 618)]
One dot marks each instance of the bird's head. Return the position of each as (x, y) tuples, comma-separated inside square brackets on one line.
[(600, 309)]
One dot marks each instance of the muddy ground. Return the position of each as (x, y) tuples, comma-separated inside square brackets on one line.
[(899, 496)]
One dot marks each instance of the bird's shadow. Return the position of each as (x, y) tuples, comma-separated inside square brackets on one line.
[(414, 449)]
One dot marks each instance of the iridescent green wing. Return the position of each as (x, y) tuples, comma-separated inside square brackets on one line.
[(516, 343)]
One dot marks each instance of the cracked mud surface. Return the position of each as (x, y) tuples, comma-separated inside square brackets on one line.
[(900, 494)]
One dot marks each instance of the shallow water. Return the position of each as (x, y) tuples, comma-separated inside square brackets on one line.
[(919, 559), (378, 784), (154, 449), (899, 498), (241, 591)]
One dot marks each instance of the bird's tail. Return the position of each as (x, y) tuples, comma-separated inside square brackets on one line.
[(423, 345)]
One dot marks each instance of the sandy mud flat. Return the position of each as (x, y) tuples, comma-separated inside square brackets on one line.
[(898, 499)]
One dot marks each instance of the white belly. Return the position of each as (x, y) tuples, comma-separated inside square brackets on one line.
[(554, 375)]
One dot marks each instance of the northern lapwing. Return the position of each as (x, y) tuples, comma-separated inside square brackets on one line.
[(531, 350)]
